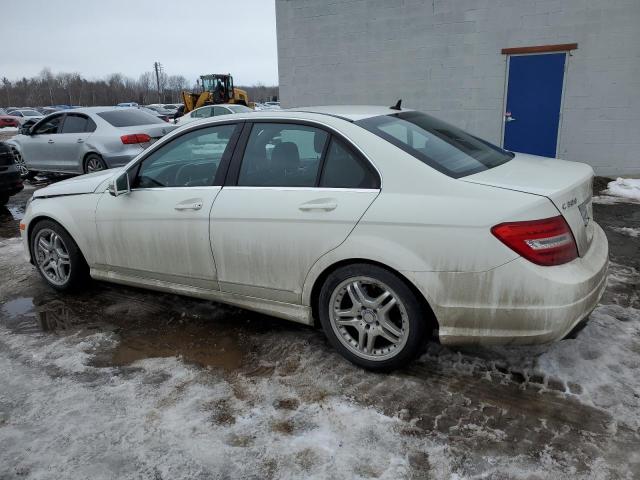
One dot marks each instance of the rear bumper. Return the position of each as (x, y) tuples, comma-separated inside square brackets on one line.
[(519, 302), (114, 161)]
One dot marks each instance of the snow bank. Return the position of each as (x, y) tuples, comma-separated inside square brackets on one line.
[(624, 187)]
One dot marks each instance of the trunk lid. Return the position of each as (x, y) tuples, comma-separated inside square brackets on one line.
[(567, 184)]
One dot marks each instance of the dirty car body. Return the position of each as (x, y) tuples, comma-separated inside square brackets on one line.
[(384, 224), (64, 141)]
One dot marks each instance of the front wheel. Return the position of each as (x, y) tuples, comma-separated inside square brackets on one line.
[(372, 317), (57, 257)]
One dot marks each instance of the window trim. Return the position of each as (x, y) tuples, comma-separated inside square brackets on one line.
[(231, 179), (218, 180)]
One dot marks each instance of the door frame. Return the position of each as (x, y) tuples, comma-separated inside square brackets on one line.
[(537, 50)]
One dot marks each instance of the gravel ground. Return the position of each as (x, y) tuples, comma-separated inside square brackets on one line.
[(123, 383)]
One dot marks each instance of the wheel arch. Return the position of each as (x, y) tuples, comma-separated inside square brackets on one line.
[(314, 297), (84, 159), (41, 218)]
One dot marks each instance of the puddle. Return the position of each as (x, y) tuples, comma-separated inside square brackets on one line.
[(17, 307)]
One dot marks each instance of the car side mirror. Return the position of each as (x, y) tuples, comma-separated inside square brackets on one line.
[(120, 185), (25, 130)]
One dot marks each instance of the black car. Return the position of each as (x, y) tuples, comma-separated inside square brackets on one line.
[(10, 181)]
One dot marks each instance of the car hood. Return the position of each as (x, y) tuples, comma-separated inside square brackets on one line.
[(77, 185)]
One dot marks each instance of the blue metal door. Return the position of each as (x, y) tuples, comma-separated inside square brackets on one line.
[(534, 96)]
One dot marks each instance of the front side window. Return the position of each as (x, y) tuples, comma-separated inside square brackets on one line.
[(190, 160), (282, 155), (74, 124), (343, 169), (444, 147), (48, 126)]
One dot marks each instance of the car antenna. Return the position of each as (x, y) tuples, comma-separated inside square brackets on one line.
[(397, 105)]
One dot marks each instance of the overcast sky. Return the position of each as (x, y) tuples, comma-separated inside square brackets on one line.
[(99, 37)]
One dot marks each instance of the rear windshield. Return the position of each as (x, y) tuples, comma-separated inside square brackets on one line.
[(444, 147), (129, 117)]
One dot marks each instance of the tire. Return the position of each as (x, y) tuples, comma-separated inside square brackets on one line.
[(71, 271), (22, 166), (397, 326), (94, 163)]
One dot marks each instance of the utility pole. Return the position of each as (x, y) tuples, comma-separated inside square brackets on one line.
[(158, 68)]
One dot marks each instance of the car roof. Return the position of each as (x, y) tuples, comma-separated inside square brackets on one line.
[(94, 109), (349, 112)]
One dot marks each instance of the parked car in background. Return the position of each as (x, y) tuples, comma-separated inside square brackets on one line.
[(9, 121), (271, 106), (162, 116), (127, 104), (385, 224), (25, 114), (10, 181), (212, 111), (168, 110), (86, 140)]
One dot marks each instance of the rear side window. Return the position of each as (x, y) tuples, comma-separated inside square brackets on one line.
[(444, 147), (343, 169), (129, 117), (74, 124), (282, 155)]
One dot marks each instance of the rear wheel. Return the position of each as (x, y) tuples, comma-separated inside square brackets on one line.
[(372, 317), (94, 163), (58, 257)]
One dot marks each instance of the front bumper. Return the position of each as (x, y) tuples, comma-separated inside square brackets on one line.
[(519, 302)]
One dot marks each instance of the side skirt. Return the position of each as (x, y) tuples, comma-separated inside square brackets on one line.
[(287, 311)]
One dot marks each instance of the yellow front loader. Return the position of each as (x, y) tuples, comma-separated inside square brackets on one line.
[(216, 88)]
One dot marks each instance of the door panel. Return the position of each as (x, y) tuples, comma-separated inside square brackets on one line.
[(265, 239), (39, 149), (159, 233), (70, 143), (534, 96)]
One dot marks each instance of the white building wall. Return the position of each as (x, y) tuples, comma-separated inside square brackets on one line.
[(443, 57)]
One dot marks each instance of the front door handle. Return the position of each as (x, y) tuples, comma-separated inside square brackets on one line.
[(80, 140), (326, 206), (189, 206), (51, 141)]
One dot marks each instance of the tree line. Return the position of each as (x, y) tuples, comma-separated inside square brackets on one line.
[(48, 88)]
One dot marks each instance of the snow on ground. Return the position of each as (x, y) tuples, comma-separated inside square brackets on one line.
[(9, 129), (628, 188), (630, 232)]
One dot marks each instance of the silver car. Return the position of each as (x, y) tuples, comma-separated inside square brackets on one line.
[(85, 140)]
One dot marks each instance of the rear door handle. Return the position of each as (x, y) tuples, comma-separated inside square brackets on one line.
[(327, 206), (80, 140), (189, 206), (51, 141)]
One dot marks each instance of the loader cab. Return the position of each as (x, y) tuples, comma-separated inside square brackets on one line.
[(220, 86)]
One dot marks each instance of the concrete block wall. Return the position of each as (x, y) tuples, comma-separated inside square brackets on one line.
[(443, 57)]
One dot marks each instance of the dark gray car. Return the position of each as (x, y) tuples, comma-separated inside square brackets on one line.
[(85, 140)]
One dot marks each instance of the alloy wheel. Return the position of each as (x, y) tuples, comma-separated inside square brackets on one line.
[(19, 161), (94, 164), (52, 256), (369, 318)]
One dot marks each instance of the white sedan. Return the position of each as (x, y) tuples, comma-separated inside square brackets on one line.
[(387, 226), (212, 111)]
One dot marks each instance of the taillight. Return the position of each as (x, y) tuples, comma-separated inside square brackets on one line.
[(135, 138), (544, 242)]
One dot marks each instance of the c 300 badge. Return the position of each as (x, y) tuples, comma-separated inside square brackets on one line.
[(569, 203)]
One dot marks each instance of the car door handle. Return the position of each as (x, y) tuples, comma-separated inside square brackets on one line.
[(188, 206), (80, 140), (51, 141), (327, 206)]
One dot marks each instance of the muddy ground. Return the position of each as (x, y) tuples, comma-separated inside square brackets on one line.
[(118, 382)]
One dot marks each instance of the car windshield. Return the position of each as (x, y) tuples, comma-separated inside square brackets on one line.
[(129, 117), (239, 108), (444, 147), (30, 113)]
